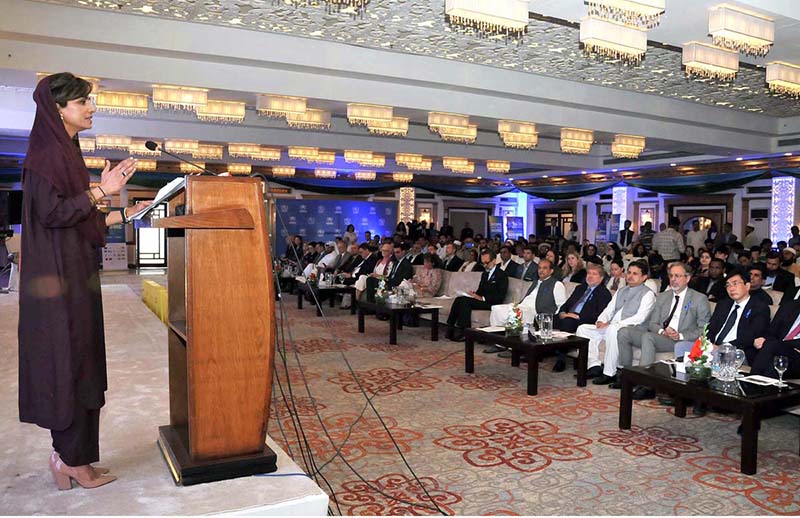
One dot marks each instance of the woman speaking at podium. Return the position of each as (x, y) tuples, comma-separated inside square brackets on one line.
[(62, 361)]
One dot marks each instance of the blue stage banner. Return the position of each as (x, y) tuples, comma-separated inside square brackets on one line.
[(514, 227), (324, 220), (496, 226)]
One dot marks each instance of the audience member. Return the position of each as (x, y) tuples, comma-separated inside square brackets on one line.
[(491, 290), (713, 286), (625, 238), (616, 278), (472, 264), (573, 269), (696, 237), (777, 278), (427, 280)]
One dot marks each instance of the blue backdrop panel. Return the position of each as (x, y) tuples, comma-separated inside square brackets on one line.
[(324, 220)]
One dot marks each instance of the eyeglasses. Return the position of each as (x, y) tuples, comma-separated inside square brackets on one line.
[(733, 284)]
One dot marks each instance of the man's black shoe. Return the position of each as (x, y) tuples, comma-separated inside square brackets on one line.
[(594, 372), (560, 365), (504, 354), (641, 392), (616, 385), (665, 400), (602, 379), (699, 409), (494, 349)]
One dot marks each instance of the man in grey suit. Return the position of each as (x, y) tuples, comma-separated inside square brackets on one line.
[(679, 314)]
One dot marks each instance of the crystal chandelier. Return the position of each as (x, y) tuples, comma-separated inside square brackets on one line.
[(325, 173), (243, 150), (326, 157), (191, 169), (121, 103), (741, 30), (364, 176), (365, 114), (577, 141), (498, 166), (181, 146), (267, 154), (179, 97), (222, 111), (146, 165), (643, 14), (516, 134), (240, 169), (627, 146), (137, 147), (282, 170), (453, 127), (354, 6), (397, 127), (112, 142), (279, 106), (311, 119), (209, 152), (364, 158), (488, 17), (87, 145), (458, 165), (413, 162), (309, 154), (784, 78), (702, 59), (94, 162), (613, 40), (402, 177)]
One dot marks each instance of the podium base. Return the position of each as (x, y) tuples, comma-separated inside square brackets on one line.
[(173, 441)]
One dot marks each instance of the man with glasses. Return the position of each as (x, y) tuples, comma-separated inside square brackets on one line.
[(680, 313)]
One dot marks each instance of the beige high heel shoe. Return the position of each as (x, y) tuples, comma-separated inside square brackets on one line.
[(63, 475), (98, 470)]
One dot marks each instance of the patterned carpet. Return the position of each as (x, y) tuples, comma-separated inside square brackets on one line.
[(480, 445)]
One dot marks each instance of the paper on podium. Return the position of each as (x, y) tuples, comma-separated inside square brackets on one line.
[(163, 194)]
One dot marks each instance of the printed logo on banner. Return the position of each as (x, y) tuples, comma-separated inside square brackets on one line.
[(355, 209), (372, 211), (337, 209), (311, 220), (338, 230), (346, 221), (321, 209), (381, 222), (284, 232), (329, 222), (292, 220), (302, 232), (388, 211), (284, 208), (302, 209), (320, 232), (364, 222)]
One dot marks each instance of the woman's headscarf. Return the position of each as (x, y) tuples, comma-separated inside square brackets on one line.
[(55, 157)]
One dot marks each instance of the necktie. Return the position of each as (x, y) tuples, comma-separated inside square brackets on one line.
[(578, 307), (615, 284), (552, 231), (793, 333), (728, 324), (665, 324)]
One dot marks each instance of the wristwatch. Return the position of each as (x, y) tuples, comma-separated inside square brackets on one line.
[(125, 219)]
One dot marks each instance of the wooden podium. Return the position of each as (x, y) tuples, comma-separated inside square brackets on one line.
[(221, 331)]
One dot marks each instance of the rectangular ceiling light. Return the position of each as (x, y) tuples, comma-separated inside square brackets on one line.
[(643, 14), (146, 165), (240, 169), (706, 60), (577, 141), (112, 142), (270, 105), (498, 166), (268, 154), (741, 30), (138, 148), (87, 145), (282, 170), (488, 17), (783, 78), (121, 103), (209, 152), (181, 146), (222, 111), (366, 114), (303, 153), (312, 119), (364, 176), (243, 150), (179, 97), (191, 169), (612, 40), (325, 173), (397, 127), (402, 177), (94, 162), (627, 146), (517, 134)]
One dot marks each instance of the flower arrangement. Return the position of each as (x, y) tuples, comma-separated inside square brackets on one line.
[(700, 357), (406, 292), (513, 323), (380, 291)]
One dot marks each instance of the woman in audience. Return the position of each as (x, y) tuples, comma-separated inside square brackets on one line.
[(350, 237), (573, 269), (690, 258), (703, 261), (294, 250), (472, 264), (616, 277), (573, 235), (401, 230), (428, 278), (637, 252), (612, 253), (589, 250)]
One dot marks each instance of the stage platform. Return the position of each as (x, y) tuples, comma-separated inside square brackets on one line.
[(137, 403)]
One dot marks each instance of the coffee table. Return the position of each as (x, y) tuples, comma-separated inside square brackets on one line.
[(330, 291), (396, 312), (534, 347), (750, 400)]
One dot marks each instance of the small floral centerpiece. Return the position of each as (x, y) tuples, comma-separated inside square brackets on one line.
[(380, 292), (701, 358), (513, 323), (406, 292)]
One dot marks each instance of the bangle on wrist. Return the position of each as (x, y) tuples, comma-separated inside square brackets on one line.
[(92, 199), (125, 219), (101, 190)]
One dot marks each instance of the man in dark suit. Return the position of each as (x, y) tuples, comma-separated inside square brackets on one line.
[(451, 261), (364, 267), (553, 231), (625, 238), (782, 338), (777, 278), (582, 307), (528, 271), (447, 229), (714, 285), (466, 232), (507, 264), (757, 273), (402, 269), (491, 290)]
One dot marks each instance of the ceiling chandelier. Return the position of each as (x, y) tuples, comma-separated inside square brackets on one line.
[(413, 162), (326, 157), (642, 14), (364, 176), (702, 59), (121, 103), (279, 106), (402, 177), (627, 146), (243, 150), (325, 173), (282, 170), (112, 142), (498, 166), (577, 141), (267, 154), (458, 165), (784, 78), (364, 158), (87, 145), (741, 30), (311, 119), (137, 147), (179, 97), (208, 151), (240, 169), (365, 114), (222, 111), (197, 168), (181, 146), (507, 18), (613, 40), (303, 153), (516, 134), (453, 127), (146, 165), (397, 127), (94, 162)]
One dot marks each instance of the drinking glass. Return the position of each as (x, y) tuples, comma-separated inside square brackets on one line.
[(547, 326), (739, 360), (781, 363)]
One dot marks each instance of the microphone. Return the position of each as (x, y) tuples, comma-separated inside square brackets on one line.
[(152, 146)]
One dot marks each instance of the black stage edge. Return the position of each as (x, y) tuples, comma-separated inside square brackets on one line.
[(172, 442)]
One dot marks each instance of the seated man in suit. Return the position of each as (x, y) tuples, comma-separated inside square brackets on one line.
[(491, 290), (712, 286), (544, 295), (680, 313), (757, 274), (777, 278), (451, 262), (364, 267), (583, 307), (782, 338), (507, 264), (528, 271), (403, 269), (629, 306)]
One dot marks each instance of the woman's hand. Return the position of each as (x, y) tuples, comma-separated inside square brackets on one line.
[(138, 207), (113, 180)]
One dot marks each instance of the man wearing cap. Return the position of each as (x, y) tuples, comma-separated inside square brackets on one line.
[(750, 238), (788, 263), (324, 261)]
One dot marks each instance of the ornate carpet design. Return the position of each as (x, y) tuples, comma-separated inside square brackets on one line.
[(481, 445)]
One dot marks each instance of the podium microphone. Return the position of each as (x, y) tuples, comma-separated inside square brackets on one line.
[(152, 146)]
